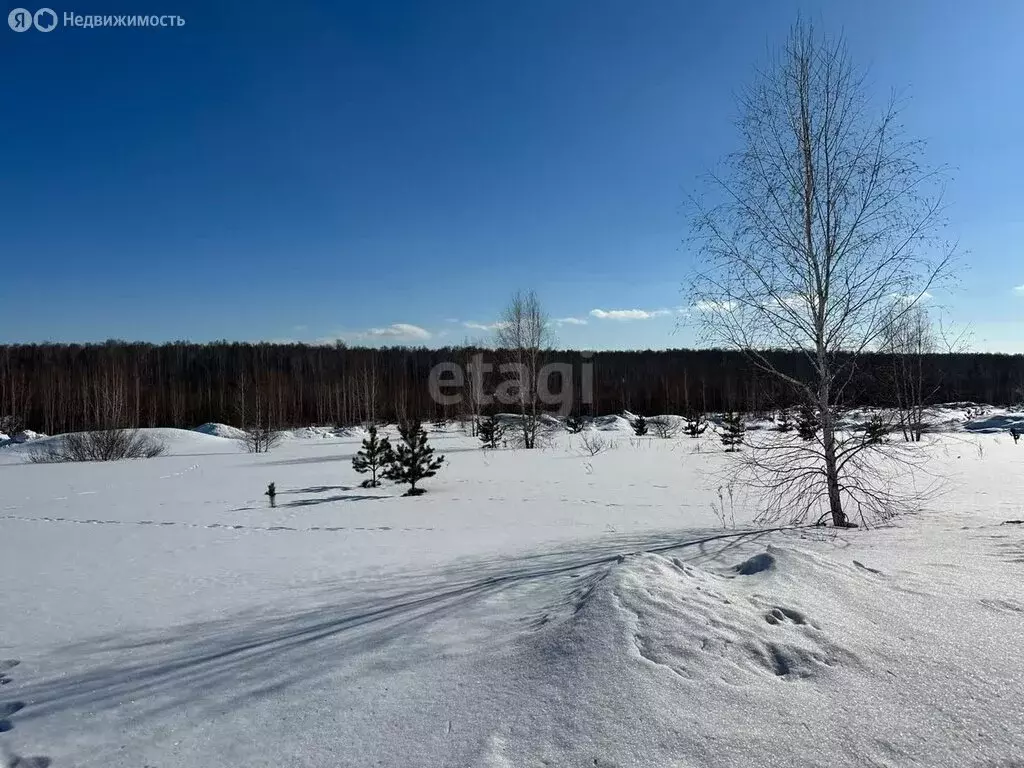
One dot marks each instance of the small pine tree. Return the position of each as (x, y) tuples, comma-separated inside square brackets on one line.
[(875, 431), (490, 431), (639, 425), (807, 424), (695, 424), (573, 425), (733, 431), (375, 455), (413, 460), (785, 422)]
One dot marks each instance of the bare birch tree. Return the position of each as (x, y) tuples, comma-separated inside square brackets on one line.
[(909, 340), (474, 383), (522, 336), (819, 220)]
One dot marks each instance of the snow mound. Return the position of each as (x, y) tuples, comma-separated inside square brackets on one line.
[(666, 616), (215, 429), (660, 658), (312, 433), (996, 422), (20, 438), (613, 423), (179, 442)]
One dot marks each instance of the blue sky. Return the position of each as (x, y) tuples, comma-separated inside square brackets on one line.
[(391, 171)]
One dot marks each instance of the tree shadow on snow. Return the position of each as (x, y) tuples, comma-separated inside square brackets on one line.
[(339, 457), (330, 499), (317, 489), (232, 661)]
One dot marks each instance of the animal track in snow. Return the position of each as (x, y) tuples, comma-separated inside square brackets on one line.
[(866, 568), (16, 761), (780, 615), (6, 665), (8, 708), (756, 564), (9, 759), (1003, 606), (267, 528)]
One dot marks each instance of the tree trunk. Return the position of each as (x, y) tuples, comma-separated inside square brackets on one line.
[(828, 444), (835, 501)]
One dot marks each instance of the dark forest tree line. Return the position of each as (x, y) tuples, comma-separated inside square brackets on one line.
[(66, 387)]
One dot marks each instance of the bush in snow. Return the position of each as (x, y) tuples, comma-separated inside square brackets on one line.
[(490, 431), (695, 425), (664, 427), (875, 431), (573, 425), (260, 439), (100, 445), (807, 425), (785, 422), (733, 431), (594, 442), (413, 460), (1014, 434), (639, 425), (375, 455)]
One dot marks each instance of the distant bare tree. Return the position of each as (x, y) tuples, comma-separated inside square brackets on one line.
[(522, 336), (473, 385), (825, 215), (910, 338), (259, 437), (367, 394), (664, 426)]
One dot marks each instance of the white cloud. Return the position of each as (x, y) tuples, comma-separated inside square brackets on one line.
[(394, 333), (451, 320), (715, 306), (1019, 290), (628, 314), (483, 326), (399, 331), (570, 321)]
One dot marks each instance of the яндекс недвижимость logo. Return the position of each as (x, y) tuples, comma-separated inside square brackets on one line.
[(46, 20), (22, 20)]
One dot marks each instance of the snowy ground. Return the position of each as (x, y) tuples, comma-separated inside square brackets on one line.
[(542, 608)]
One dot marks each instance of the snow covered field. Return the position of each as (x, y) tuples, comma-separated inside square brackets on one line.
[(534, 608)]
